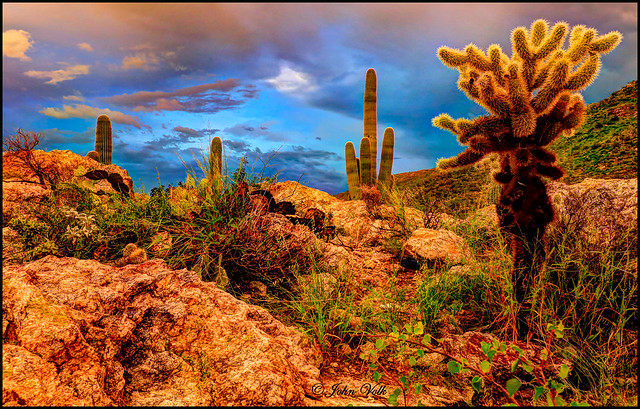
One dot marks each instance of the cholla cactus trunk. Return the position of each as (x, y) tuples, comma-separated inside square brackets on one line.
[(215, 164), (370, 117), (103, 140), (531, 99)]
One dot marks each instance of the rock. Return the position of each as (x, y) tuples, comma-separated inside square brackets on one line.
[(302, 197), (84, 333), (70, 166), (433, 247), (369, 224), (258, 289), (12, 247), (598, 209)]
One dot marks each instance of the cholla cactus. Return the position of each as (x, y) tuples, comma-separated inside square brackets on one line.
[(531, 98)]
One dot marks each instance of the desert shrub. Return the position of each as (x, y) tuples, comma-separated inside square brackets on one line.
[(591, 285)]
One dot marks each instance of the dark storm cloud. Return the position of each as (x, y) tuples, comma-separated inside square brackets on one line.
[(256, 132), (212, 97)]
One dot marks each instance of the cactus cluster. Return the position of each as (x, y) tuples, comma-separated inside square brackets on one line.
[(532, 98), (362, 171)]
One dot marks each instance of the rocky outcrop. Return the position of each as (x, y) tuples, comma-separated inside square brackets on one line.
[(598, 209), (78, 332), (433, 247), (68, 166), (367, 225)]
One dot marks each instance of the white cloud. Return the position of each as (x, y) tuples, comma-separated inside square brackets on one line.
[(85, 46), (73, 98), (15, 44), (86, 111), (57, 76), (291, 81)]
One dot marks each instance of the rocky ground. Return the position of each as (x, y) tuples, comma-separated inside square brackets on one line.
[(82, 332)]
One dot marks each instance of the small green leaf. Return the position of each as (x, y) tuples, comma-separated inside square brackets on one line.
[(393, 398), (379, 343), (453, 367), (514, 365), (408, 328), (490, 354), (539, 391), (420, 353), (376, 376), (485, 366), (517, 349), (527, 367), (560, 401), (418, 388), (564, 371), (426, 340), (485, 346), (412, 361), (403, 379), (419, 329), (373, 366), (513, 385), (476, 382), (402, 337), (544, 354)]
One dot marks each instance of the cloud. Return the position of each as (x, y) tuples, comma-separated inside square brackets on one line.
[(85, 46), (15, 44), (73, 98), (292, 81), (212, 97), (57, 76), (86, 111), (237, 146), (254, 132)]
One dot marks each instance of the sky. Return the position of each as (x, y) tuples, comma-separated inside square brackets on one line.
[(281, 84)]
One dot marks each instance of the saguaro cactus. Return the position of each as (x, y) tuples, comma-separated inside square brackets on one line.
[(103, 140), (371, 116), (521, 123), (362, 171), (215, 164)]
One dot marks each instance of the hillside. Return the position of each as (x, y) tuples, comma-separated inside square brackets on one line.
[(605, 147)]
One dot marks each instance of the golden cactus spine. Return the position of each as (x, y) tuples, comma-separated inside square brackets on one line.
[(104, 140)]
